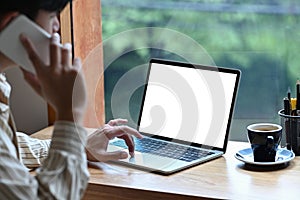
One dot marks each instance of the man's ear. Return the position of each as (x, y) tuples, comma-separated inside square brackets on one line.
[(7, 18)]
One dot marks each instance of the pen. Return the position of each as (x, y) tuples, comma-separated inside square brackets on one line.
[(287, 111), (293, 104), (286, 106), (289, 93), (298, 95)]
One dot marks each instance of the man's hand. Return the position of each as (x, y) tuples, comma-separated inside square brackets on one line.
[(98, 141), (60, 83)]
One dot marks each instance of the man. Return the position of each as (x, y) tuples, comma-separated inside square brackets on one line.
[(63, 174)]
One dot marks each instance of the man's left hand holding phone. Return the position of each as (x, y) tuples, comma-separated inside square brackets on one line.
[(44, 62)]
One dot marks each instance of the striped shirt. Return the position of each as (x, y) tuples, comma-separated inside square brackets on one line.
[(32, 151), (64, 173)]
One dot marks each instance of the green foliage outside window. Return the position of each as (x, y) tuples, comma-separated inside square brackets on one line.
[(261, 38)]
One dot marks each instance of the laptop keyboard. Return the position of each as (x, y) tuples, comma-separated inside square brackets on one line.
[(161, 148)]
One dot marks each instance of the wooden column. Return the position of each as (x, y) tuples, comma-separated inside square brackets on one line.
[(87, 35)]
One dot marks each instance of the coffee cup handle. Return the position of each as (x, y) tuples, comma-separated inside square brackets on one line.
[(270, 142)]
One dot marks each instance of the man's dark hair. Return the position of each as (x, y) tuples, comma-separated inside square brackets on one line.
[(30, 7)]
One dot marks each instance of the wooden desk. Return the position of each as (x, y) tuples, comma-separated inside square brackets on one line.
[(223, 178)]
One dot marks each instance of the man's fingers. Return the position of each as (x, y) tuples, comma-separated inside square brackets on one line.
[(77, 64), (116, 122), (55, 51), (31, 51), (66, 55), (129, 142), (118, 131), (115, 155), (33, 81)]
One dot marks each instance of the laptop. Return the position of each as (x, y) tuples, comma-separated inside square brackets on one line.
[(185, 116)]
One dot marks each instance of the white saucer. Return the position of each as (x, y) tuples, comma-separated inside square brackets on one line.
[(282, 156)]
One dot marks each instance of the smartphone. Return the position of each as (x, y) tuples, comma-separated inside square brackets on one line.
[(11, 46)]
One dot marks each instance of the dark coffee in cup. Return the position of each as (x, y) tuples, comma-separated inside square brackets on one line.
[(264, 139)]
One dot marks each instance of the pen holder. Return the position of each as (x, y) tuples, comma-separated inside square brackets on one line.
[(291, 130)]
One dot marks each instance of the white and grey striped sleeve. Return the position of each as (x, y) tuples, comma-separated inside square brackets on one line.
[(32, 151), (63, 175)]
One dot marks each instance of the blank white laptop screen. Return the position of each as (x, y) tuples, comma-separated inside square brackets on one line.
[(188, 104)]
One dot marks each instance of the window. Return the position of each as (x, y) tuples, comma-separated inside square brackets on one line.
[(259, 37)]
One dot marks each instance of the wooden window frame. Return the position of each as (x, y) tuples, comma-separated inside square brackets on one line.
[(85, 31)]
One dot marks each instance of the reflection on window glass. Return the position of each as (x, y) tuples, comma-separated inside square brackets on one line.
[(259, 37)]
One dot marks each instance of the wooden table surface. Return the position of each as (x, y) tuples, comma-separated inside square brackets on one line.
[(222, 178)]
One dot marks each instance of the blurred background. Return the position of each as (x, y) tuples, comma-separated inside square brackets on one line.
[(259, 37)]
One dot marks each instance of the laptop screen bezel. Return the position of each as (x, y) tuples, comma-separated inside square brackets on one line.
[(237, 72)]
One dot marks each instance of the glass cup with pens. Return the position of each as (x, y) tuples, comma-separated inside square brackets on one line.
[(290, 121)]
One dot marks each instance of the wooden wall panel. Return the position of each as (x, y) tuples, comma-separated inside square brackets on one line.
[(87, 33)]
